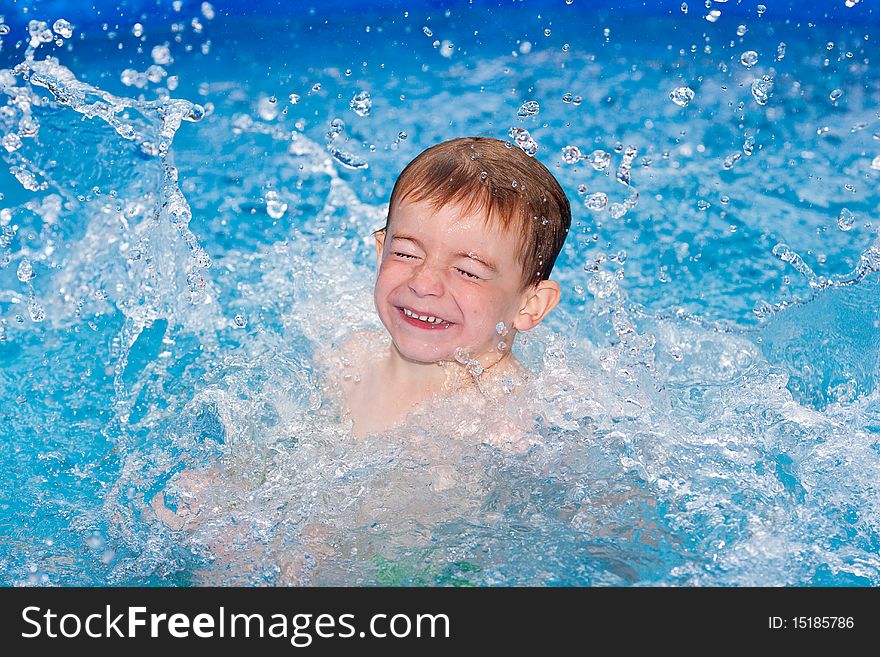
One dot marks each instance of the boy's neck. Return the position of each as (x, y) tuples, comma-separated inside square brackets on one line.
[(430, 378)]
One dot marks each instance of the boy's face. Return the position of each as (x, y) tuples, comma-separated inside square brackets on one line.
[(458, 271)]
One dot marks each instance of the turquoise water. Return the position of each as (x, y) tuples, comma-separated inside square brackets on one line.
[(173, 252)]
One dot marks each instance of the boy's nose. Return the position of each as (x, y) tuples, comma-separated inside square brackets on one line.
[(426, 281)]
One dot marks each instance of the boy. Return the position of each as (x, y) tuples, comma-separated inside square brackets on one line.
[(474, 227)]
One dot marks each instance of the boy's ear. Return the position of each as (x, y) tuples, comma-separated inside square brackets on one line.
[(539, 300), (380, 243)]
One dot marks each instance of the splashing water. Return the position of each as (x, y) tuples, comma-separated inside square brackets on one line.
[(702, 407)]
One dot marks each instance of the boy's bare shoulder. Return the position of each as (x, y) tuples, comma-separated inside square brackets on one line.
[(344, 364)]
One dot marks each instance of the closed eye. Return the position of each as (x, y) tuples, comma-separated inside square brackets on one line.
[(468, 274)]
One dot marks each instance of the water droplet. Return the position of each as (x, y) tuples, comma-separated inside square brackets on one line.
[(528, 108), (427, 31), (682, 96), (780, 51), (596, 202), (502, 346), (761, 89), (208, 10), (749, 145), (267, 110), (546, 31), (761, 10), (36, 310), (731, 160), (274, 207), (523, 139), (684, 8), (875, 163), (703, 205), (161, 55), (749, 58), (239, 322), (401, 135), (11, 142), (835, 95), (566, 98), (600, 160), (62, 28), (501, 329), (713, 16), (483, 175), (617, 210), (571, 155), (846, 220), (25, 271), (293, 98), (741, 30), (361, 103), (852, 3)]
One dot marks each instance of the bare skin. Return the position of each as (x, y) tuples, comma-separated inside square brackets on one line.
[(377, 398)]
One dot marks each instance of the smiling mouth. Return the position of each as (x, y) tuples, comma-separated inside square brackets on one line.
[(422, 320)]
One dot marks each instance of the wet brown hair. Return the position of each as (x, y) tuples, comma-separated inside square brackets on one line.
[(512, 190)]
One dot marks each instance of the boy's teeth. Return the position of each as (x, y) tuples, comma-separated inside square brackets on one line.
[(424, 318)]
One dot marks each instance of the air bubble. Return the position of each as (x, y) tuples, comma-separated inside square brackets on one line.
[(239, 322), (835, 95)]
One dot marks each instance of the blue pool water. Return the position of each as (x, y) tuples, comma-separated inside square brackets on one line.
[(178, 237)]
